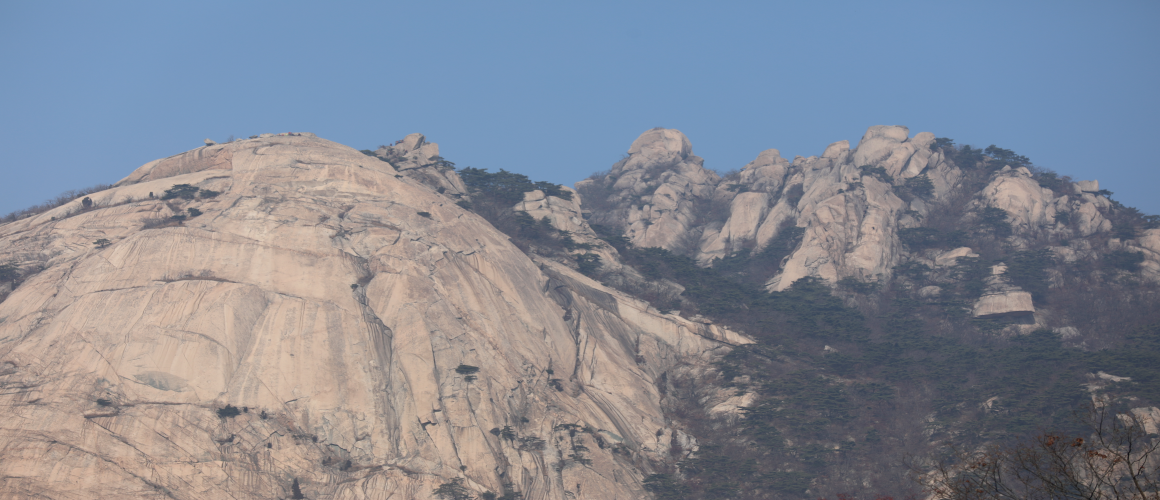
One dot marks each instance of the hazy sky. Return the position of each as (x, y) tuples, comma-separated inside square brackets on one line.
[(558, 90)]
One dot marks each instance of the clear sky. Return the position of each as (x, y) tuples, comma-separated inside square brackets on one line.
[(557, 90)]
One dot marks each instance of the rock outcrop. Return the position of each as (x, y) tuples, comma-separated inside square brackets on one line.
[(322, 320), (1029, 206), (418, 159), (1001, 299), (655, 194), (849, 215), (1003, 304), (567, 216)]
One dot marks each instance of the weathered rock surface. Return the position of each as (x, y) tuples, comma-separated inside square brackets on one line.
[(662, 196), (1001, 299), (566, 215), (377, 340), (343, 326), (1087, 187), (1008, 303), (848, 233), (655, 193), (1028, 205), (850, 207), (890, 148), (951, 257), (418, 159), (750, 198)]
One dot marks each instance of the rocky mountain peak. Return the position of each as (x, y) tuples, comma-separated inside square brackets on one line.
[(659, 146), (332, 323), (891, 148), (653, 193), (292, 311), (415, 141)]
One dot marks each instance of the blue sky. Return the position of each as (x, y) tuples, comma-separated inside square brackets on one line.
[(558, 90)]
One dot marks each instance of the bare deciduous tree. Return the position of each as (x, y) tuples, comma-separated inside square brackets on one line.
[(1118, 460)]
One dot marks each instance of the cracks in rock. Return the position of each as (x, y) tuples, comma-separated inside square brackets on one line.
[(165, 491), (112, 367)]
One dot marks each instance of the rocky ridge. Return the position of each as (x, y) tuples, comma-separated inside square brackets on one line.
[(850, 204)]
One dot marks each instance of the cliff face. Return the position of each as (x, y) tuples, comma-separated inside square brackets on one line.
[(319, 319)]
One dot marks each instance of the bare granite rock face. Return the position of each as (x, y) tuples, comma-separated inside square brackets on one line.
[(329, 321), (750, 198)]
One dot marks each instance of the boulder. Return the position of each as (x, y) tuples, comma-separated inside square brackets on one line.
[(1089, 220), (1087, 187), (879, 143), (766, 173), (836, 149), (888, 147), (1006, 304), (659, 145), (1017, 193), (951, 257), (943, 174), (746, 212), (847, 234), (929, 292)]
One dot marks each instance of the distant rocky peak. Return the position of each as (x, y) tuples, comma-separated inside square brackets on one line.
[(657, 155), (659, 145)]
